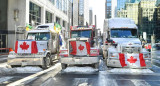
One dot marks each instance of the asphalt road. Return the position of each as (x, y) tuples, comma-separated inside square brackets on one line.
[(6, 79), (101, 78), (96, 78)]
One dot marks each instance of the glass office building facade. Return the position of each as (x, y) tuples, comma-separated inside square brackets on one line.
[(108, 9)]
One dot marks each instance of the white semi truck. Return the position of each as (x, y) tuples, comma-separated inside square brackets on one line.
[(121, 45), (81, 49), (38, 49)]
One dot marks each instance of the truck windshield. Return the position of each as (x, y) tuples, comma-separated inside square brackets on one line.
[(124, 33), (81, 33), (39, 36)]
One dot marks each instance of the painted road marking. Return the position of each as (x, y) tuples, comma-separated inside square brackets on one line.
[(140, 83), (80, 82), (22, 81)]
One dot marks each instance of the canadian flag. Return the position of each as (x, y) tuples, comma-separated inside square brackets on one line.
[(132, 60), (26, 47), (80, 48)]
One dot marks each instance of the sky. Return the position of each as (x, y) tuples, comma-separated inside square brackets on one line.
[(98, 7)]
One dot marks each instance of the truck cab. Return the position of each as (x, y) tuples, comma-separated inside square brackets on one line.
[(80, 35), (122, 47), (38, 49)]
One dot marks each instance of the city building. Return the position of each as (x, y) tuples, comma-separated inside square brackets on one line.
[(130, 11), (158, 22), (147, 18), (117, 8), (90, 17), (15, 14), (80, 12), (110, 9)]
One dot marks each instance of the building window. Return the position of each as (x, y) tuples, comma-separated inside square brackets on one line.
[(64, 23), (64, 6), (58, 20), (34, 14), (60, 4), (48, 17), (108, 4), (57, 4), (52, 1)]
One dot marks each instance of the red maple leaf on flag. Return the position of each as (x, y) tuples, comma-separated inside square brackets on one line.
[(81, 47), (24, 46), (132, 60)]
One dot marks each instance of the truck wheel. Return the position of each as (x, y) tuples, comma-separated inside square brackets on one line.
[(63, 66), (47, 62)]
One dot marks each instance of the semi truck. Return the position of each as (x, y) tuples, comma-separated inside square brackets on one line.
[(81, 48), (121, 45), (38, 49)]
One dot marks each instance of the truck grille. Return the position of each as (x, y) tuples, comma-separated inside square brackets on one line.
[(131, 49), (70, 48)]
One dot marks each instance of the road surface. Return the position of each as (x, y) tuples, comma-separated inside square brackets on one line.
[(85, 76)]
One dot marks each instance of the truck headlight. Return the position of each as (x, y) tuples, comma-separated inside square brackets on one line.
[(40, 53)]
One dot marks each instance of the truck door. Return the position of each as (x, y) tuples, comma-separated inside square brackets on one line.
[(54, 43)]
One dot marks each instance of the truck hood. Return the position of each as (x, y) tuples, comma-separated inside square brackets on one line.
[(127, 40)]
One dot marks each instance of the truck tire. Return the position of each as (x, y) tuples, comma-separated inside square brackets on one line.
[(63, 66), (47, 62)]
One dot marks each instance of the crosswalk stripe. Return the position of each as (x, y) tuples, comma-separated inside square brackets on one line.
[(103, 81), (140, 83), (80, 82)]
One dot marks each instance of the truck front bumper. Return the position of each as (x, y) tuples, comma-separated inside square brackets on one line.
[(33, 61), (116, 63), (79, 60)]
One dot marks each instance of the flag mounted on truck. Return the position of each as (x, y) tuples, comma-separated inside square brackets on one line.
[(26, 47), (80, 48)]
